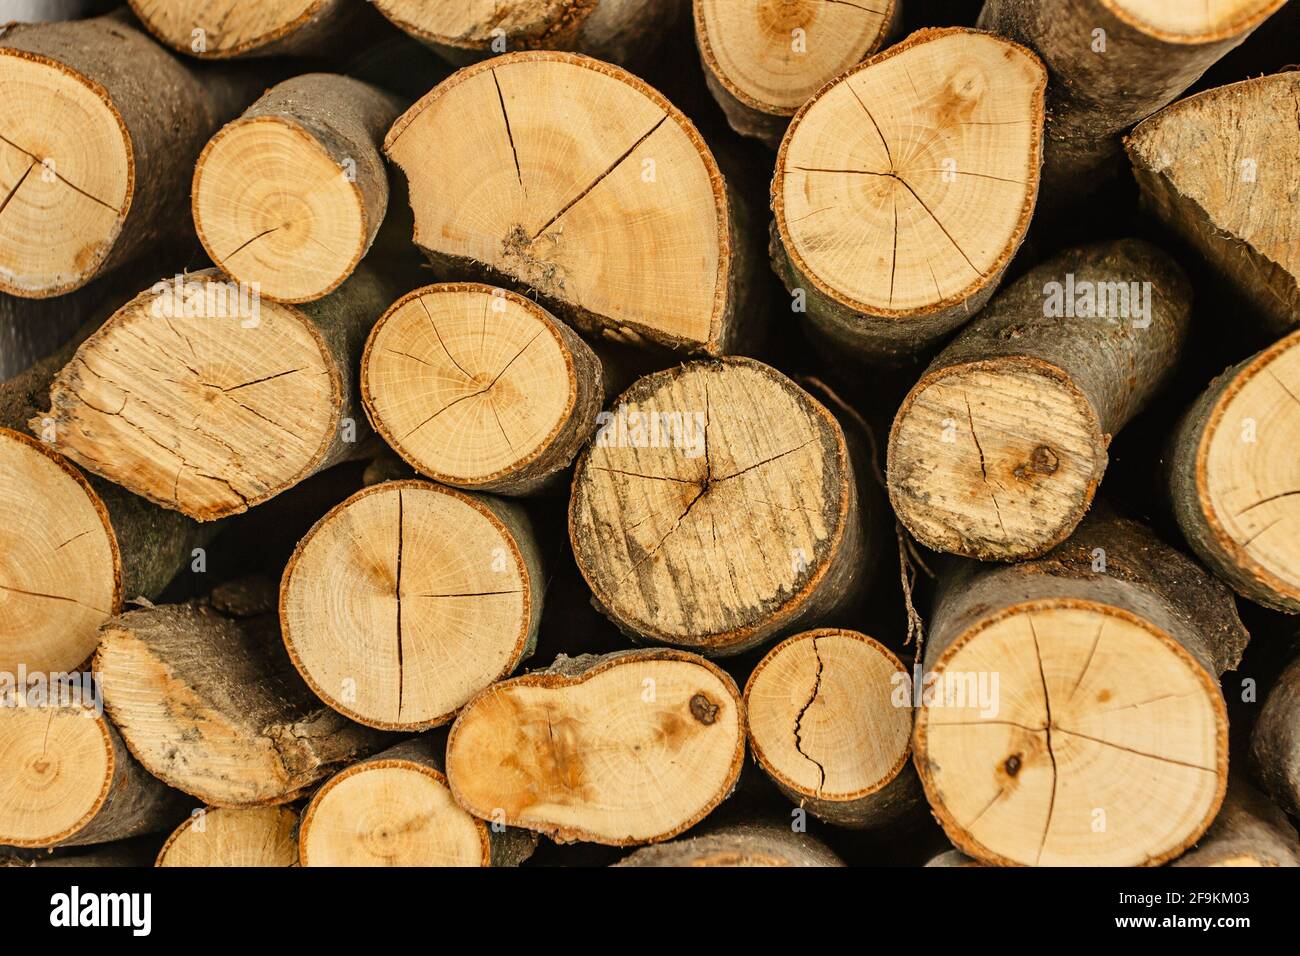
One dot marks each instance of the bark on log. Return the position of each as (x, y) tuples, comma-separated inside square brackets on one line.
[(394, 809), (628, 748), (71, 782), (1233, 480), (1105, 739), (1113, 63), (740, 845), (1275, 741), (221, 29), (898, 205), (718, 507), (620, 31), (95, 167), (42, 11), (762, 61), (1249, 831), (209, 702), (290, 196), (997, 451), (204, 400), (951, 858), (825, 722), (1219, 169), (574, 179), (480, 388), (409, 598), (221, 836)]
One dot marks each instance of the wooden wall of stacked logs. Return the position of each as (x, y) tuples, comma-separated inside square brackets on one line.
[(649, 432)]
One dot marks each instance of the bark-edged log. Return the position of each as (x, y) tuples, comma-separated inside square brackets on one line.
[(221, 29), (42, 11), (226, 836), (290, 196), (480, 388), (628, 748), (739, 845), (1275, 741), (1249, 831), (997, 451)]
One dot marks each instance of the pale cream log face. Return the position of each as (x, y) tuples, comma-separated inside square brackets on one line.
[(234, 836), (1192, 21), (1108, 746), (572, 177), (66, 176), (59, 564), (230, 27), (470, 23), (906, 185)]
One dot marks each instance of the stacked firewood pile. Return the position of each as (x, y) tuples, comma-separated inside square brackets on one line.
[(739, 432)]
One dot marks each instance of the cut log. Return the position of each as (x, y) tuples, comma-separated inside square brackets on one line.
[(1275, 741), (1233, 476), (255, 836), (628, 748), (290, 196), (1113, 63), (997, 451), (575, 179), (717, 507), (136, 852), (394, 809), (464, 31), (203, 399), (209, 702), (39, 11), (903, 189), (826, 724), (741, 845), (1219, 169), (480, 388), (69, 780), (220, 29), (951, 858), (409, 598), (763, 60), (1249, 831), (100, 129), (1072, 712)]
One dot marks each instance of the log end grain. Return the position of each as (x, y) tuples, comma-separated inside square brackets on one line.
[(222, 29), (740, 845), (254, 836)]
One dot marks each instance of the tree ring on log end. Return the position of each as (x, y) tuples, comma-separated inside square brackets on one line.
[(230, 836)]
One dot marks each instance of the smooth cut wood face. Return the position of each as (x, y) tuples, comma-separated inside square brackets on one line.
[(60, 573), (572, 177), (1108, 746), (245, 836), (636, 750), (66, 172), (403, 602), (994, 460), (774, 54), (391, 813), (58, 763), (273, 208), (822, 718), (230, 27), (1247, 470), (471, 23), (207, 413), (721, 515), (1192, 21), (906, 185), (467, 383)]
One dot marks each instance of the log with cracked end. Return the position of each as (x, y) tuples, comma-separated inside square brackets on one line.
[(394, 809), (1219, 168), (480, 388), (1234, 481), (208, 701), (463, 31), (203, 399), (1249, 831), (718, 507), (225, 836), (409, 598), (1114, 63), (737, 845), (1075, 716), (632, 747), (222, 29), (574, 179), (1275, 740), (826, 723), (997, 451), (289, 197), (904, 187), (763, 59), (69, 780), (99, 130)]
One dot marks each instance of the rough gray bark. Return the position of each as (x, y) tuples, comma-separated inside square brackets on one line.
[(1275, 741), (1249, 831), (739, 845)]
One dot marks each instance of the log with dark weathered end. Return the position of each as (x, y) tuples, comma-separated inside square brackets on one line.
[(739, 845), (1275, 741)]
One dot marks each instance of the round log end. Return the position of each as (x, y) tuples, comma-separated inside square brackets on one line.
[(253, 836)]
